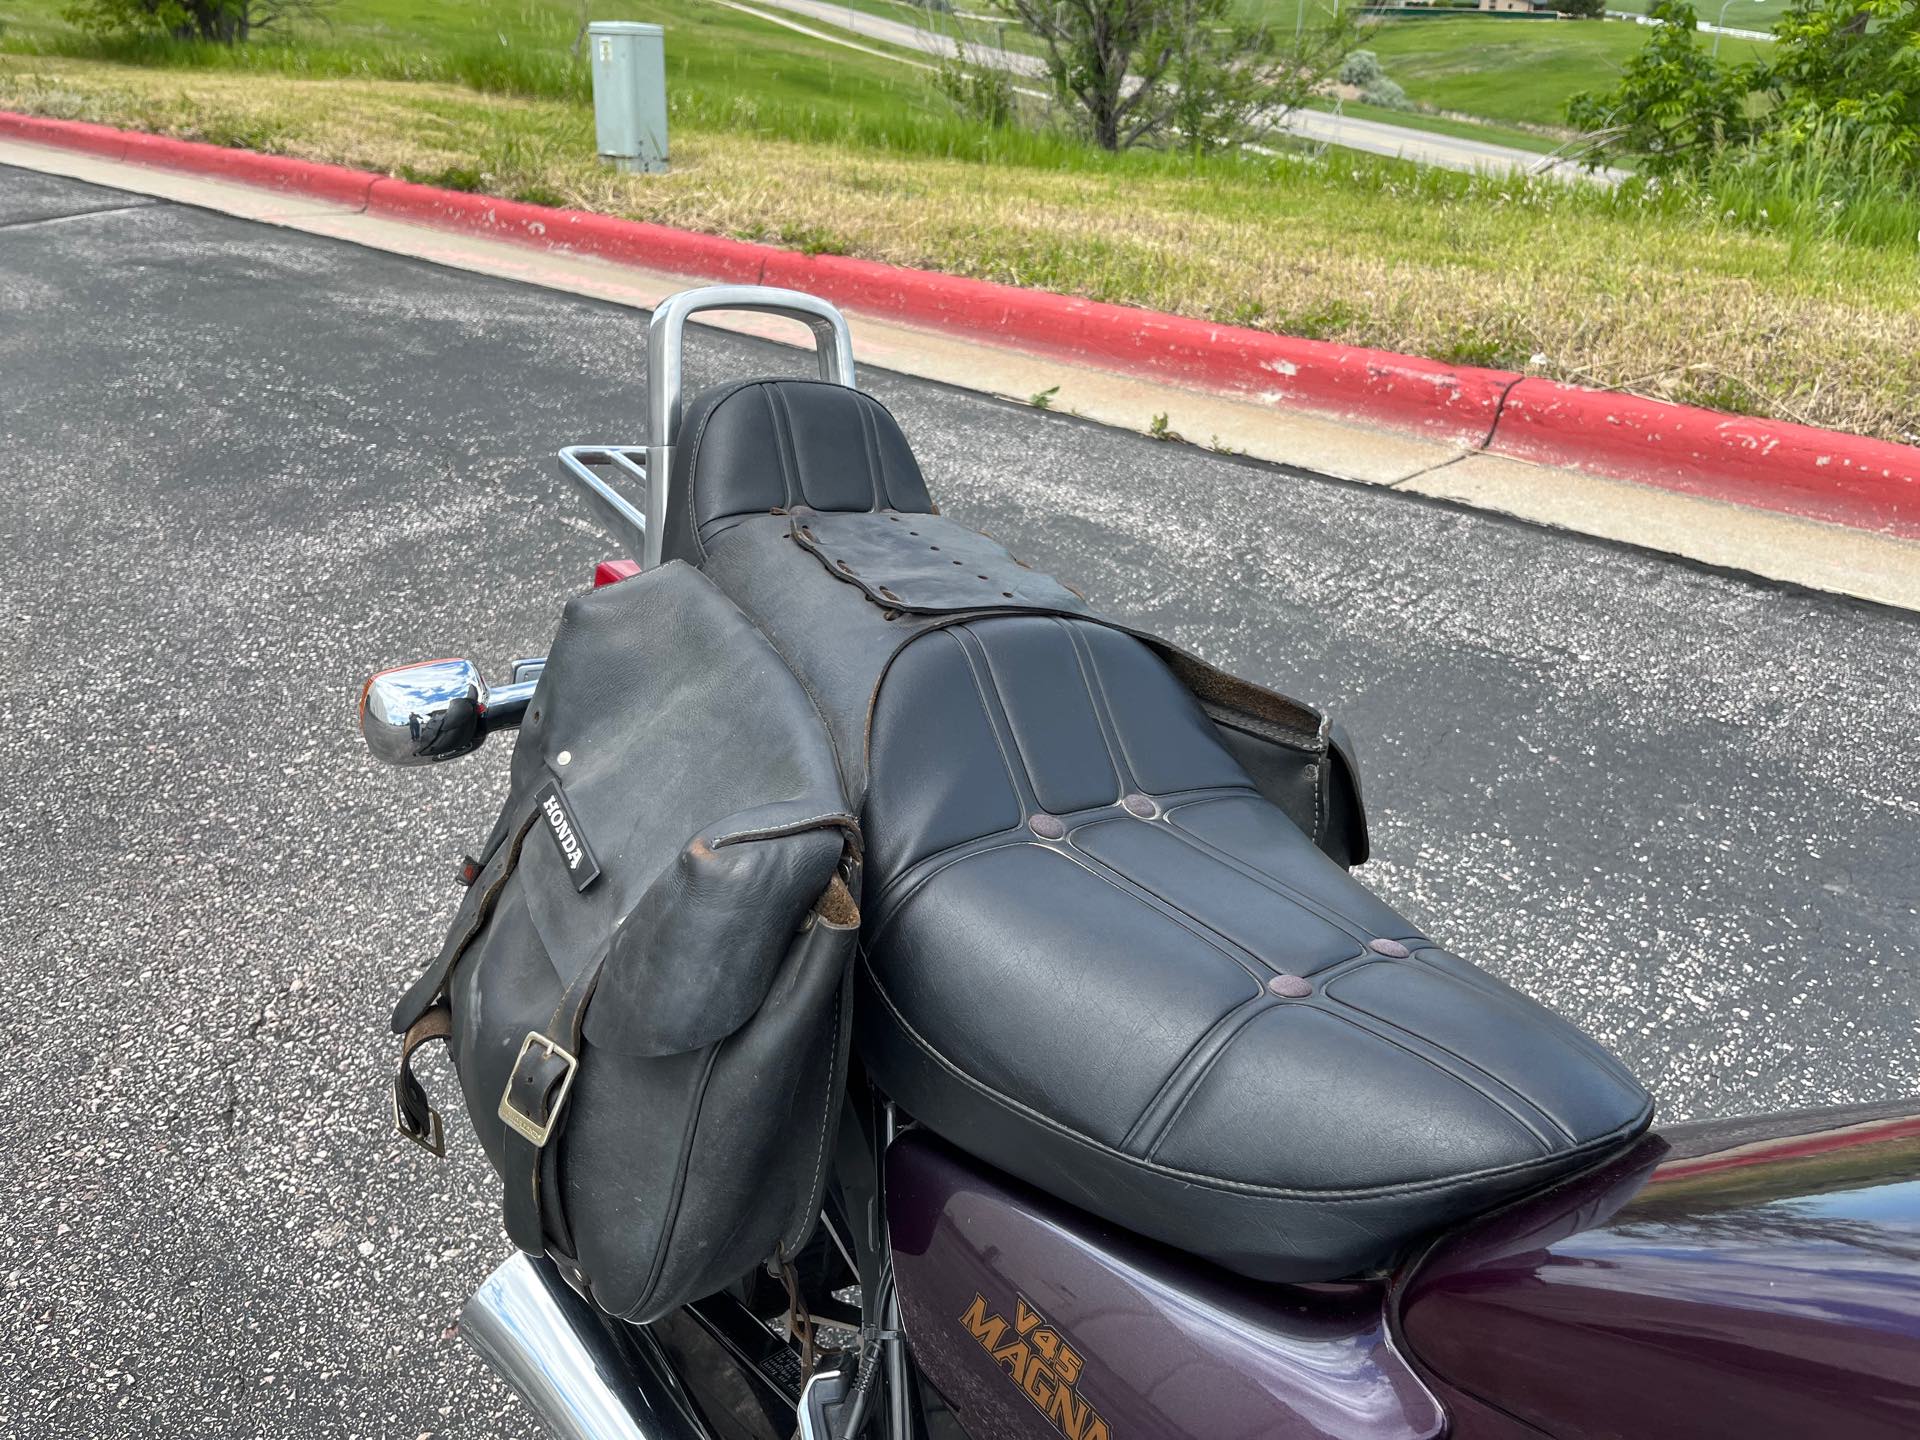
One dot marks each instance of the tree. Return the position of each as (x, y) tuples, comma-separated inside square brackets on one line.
[(1845, 73), (227, 22), (1186, 72), (1676, 107), (1840, 86)]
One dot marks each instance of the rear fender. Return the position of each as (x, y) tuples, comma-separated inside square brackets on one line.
[(1731, 1279)]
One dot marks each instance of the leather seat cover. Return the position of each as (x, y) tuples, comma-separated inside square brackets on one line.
[(1094, 954), (1097, 958)]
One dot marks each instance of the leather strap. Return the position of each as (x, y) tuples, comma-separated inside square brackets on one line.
[(537, 1088), (413, 1114), (430, 988)]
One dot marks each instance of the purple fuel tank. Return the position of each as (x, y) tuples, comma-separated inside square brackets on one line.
[(1035, 1322), (1737, 1281)]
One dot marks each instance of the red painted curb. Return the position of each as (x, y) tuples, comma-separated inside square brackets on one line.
[(1795, 469), (1774, 464), (634, 241), (279, 172)]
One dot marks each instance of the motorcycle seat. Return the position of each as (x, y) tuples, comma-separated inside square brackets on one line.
[(1094, 952)]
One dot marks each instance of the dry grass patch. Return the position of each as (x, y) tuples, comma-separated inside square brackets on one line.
[(1659, 299)]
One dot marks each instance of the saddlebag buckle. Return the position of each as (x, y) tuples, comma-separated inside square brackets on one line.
[(430, 1136), (538, 1069)]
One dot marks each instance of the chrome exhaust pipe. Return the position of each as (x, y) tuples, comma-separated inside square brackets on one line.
[(584, 1376)]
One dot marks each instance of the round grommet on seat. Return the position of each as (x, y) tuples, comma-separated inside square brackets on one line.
[(1047, 827), (1141, 805), (1290, 987), (1392, 949)]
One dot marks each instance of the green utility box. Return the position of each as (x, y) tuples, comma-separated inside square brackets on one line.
[(630, 93)]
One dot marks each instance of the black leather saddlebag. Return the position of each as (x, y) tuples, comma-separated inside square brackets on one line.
[(646, 989)]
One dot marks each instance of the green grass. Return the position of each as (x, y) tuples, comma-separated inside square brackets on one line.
[(1516, 71), (1740, 15), (524, 47)]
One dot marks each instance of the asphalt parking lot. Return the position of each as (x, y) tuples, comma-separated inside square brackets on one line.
[(244, 467)]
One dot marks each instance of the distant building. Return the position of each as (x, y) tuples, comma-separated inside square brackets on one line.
[(1520, 6)]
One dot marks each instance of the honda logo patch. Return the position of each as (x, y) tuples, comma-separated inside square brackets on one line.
[(567, 836)]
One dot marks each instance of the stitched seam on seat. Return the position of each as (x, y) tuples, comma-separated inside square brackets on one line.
[(1102, 704), (693, 459), (1009, 744), (1020, 837), (870, 439), (1322, 779), (1181, 1079), (792, 475), (889, 908), (1348, 1016), (1013, 734), (1214, 1182), (1483, 985), (1372, 1019), (1073, 818), (1266, 878), (1165, 908), (1172, 909)]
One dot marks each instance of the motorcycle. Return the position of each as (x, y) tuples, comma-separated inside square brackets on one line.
[(1744, 1278)]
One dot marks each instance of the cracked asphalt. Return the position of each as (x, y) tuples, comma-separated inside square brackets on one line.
[(243, 467)]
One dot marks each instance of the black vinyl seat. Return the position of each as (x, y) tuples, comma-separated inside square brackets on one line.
[(1095, 957), (1094, 952)]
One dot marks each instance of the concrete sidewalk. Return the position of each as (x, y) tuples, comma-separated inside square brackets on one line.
[(1819, 556)]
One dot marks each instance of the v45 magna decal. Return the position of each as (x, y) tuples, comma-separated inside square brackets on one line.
[(1038, 1359)]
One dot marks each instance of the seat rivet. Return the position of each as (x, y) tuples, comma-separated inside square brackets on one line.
[(1047, 827), (1292, 987), (1392, 949), (565, 757), (1137, 804)]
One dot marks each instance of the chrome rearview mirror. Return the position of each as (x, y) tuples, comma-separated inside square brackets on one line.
[(422, 714)]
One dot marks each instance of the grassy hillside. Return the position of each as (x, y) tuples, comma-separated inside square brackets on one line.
[(720, 61), (782, 138), (1740, 14), (1520, 71)]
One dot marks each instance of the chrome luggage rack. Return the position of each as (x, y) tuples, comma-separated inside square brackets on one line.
[(639, 529)]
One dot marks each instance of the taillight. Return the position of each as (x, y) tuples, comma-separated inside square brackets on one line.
[(610, 572)]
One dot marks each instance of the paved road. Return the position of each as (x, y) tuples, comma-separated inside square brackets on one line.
[(242, 467), (1375, 137)]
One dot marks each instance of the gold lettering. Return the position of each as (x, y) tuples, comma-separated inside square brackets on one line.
[(1036, 1383), (1068, 1413), (987, 1330), (1040, 1362), (1014, 1357)]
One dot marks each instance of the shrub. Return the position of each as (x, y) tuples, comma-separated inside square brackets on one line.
[(225, 22), (1361, 68), (982, 94), (1675, 107), (1837, 97), (1386, 93)]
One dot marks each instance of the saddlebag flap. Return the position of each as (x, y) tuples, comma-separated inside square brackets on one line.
[(646, 989)]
